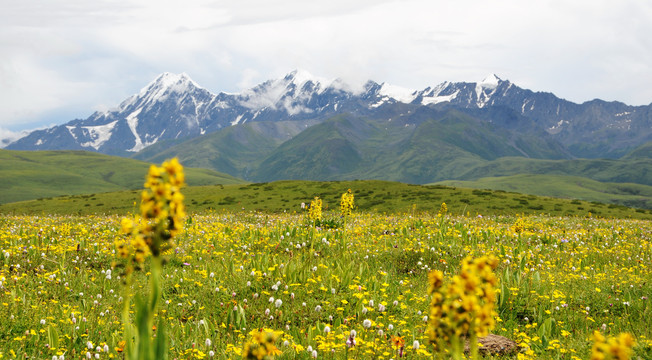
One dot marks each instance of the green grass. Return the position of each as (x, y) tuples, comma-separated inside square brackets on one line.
[(38, 174), (560, 279), (631, 170), (370, 195), (561, 186)]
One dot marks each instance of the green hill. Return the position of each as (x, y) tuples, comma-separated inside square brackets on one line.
[(643, 151), (37, 174), (635, 170), (561, 186), (415, 147), (409, 145), (322, 152), (235, 150), (370, 195)]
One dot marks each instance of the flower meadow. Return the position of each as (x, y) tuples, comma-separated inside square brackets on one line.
[(238, 285)]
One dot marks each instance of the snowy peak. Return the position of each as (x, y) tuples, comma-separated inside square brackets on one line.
[(397, 93), (165, 85), (168, 83), (290, 93), (300, 78), (485, 89), (175, 82), (491, 81), (444, 92), (173, 106)]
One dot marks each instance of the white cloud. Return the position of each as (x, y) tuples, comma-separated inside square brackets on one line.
[(68, 56), (7, 136)]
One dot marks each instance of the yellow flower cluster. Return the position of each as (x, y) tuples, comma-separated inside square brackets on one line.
[(346, 204), (161, 214), (520, 225), (262, 345), (615, 348), (314, 213), (443, 209), (465, 307)]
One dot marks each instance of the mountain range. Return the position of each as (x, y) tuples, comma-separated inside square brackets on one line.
[(303, 127)]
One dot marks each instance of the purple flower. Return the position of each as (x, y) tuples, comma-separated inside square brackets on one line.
[(350, 342)]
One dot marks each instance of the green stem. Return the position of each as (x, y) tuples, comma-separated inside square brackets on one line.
[(474, 345), (160, 345), (458, 350), (155, 285), (131, 341)]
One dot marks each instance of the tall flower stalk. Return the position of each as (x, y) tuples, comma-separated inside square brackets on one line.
[(151, 233), (346, 203), (464, 308), (314, 213)]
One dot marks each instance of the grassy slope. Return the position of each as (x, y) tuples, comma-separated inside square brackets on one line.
[(370, 195), (418, 148), (233, 150), (631, 170), (562, 186), (236, 150), (643, 151), (36, 174)]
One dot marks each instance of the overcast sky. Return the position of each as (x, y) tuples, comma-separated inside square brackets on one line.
[(65, 59)]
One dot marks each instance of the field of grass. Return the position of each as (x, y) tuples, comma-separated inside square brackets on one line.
[(371, 195), (232, 273), (561, 186), (38, 174), (249, 260)]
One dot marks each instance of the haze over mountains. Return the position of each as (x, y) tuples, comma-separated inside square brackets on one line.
[(303, 127)]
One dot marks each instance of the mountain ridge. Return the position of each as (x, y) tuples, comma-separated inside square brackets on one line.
[(173, 106), (303, 127)]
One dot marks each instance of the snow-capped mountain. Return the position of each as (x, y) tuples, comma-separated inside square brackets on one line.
[(173, 106)]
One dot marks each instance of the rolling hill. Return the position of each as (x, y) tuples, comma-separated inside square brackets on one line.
[(370, 196), (563, 186), (38, 174)]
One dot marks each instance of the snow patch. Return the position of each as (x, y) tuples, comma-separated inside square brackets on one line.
[(485, 89), (436, 99), (382, 100), (237, 120), (555, 129), (132, 122), (39, 142), (221, 105), (490, 82), (98, 134), (70, 130), (398, 93)]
